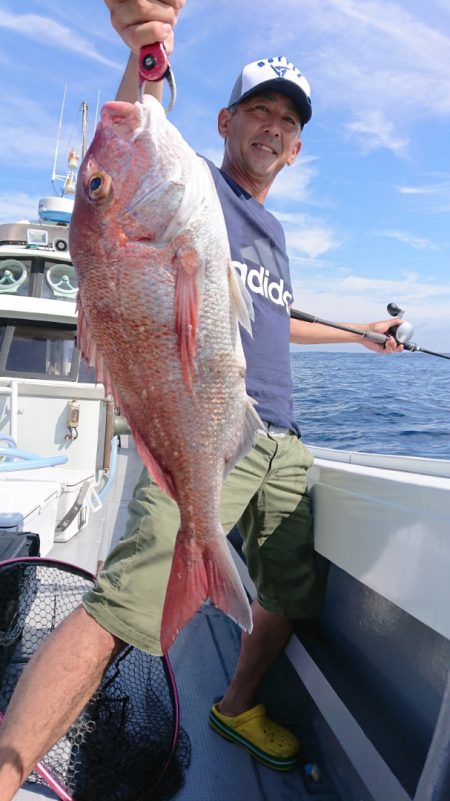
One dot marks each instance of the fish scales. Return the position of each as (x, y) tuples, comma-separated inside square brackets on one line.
[(159, 307)]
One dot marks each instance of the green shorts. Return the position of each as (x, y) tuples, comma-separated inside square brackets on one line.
[(265, 495)]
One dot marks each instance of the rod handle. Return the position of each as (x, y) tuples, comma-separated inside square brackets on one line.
[(372, 336), (299, 315)]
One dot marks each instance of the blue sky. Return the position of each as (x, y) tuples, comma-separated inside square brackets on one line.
[(365, 208)]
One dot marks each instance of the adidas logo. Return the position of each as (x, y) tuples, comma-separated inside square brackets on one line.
[(257, 281)]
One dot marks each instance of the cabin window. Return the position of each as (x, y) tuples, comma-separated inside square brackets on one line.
[(15, 276), (38, 277), (39, 351), (60, 281)]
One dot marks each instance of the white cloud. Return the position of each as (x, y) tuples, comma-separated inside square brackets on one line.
[(44, 29), (435, 197), (408, 287), (417, 190), (344, 291), (18, 147), (436, 189), (409, 239), (293, 183), (306, 235), (17, 206), (29, 139), (375, 132)]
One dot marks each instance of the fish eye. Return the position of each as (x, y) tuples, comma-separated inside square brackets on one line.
[(98, 186), (95, 183)]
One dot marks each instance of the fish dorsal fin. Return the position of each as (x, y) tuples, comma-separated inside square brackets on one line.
[(187, 263), (240, 299), (251, 424)]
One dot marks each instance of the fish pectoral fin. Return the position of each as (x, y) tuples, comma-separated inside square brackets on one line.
[(240, 299), (93, 357), (187, 264), (198, 573), (249, 431)]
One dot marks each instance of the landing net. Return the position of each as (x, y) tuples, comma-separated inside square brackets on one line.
[(127, 744)]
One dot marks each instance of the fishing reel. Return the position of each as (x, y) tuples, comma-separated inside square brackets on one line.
[(403, 332)]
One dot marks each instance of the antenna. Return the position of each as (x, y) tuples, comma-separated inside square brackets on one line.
[(54, 175), (84, 113), (69, 180)]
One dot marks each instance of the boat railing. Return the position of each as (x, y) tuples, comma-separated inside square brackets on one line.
[(394, 462), (10, 387)]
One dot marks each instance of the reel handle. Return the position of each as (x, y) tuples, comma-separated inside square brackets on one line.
[(394, 310), (401, 333)]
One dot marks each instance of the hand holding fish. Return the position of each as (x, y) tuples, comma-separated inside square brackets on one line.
[(143, 22)]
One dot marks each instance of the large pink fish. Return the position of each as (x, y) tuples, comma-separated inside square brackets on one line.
[(158, 312)]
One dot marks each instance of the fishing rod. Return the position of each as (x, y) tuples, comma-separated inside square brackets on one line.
[(402, 333)]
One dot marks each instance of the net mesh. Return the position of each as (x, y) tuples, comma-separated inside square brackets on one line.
[(126, 744)]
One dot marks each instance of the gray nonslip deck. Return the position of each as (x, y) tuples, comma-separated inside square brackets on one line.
[(203, 659)]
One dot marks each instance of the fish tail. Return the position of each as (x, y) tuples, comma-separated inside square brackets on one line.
[(200, 573)]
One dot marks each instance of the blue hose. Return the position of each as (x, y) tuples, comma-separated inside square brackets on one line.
[(10, 440), (29, 461)]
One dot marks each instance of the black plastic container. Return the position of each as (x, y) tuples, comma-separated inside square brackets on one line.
[(13, 545)]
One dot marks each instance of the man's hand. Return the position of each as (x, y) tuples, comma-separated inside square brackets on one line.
[(142, 22), (391, 345)]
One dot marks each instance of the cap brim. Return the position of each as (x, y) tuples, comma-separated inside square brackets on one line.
[(285, 87)]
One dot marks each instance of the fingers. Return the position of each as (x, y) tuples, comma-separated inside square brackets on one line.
[(391, 346), (142, 22), (386, 326)]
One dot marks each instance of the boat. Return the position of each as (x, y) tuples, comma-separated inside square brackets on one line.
[(366, 686), (56, 424)]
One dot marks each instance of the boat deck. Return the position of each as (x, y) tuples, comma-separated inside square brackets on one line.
[(203, 659)]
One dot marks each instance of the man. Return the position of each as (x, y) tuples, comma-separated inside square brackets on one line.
[(266, 493)]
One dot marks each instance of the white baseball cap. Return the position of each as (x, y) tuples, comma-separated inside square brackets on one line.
[(276, 74)]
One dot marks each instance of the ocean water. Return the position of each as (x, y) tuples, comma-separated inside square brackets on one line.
[(397, 404)]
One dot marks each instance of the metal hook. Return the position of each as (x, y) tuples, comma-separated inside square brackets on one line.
[(153, 66)]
